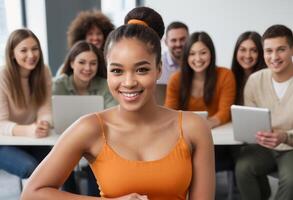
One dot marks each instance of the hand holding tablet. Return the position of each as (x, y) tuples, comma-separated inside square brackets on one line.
[(248, 121)]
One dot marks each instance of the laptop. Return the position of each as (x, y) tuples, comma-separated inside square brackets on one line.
[(67, 109), (203, 114), (247, 121)]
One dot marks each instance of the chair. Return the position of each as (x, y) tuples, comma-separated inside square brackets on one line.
[(160, 93)]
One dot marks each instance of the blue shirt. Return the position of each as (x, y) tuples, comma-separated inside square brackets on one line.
[(168, 68)]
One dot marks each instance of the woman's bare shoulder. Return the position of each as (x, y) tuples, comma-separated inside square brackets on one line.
[(84, 131), (195, 127)]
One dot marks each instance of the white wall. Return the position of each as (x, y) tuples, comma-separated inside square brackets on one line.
[(225, 20)]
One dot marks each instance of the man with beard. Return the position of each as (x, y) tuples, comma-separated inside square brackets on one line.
[(176, 36)]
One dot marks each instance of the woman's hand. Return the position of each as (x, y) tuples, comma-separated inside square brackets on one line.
[(38, 129), (271, 139), (213, 122), (132, 196), (43, 128)]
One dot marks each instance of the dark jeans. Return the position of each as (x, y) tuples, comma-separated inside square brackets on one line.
[(22, 160), (225, 156), (255, 163)]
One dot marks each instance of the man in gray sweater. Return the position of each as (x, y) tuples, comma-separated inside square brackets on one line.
[(270, 88)]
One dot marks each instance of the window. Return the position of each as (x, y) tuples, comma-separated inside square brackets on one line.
[(10, 19), (116, 10)]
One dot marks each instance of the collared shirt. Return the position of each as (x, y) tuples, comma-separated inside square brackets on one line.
[(64, 85), (169, 67)]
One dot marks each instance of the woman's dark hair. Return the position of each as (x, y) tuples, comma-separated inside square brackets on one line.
[(83, 22), (136, 31), (238, 70), (37, 78), (187, 73), (152, 18), (77, 49)]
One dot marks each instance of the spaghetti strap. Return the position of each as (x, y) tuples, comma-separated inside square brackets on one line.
[(102, 126), (180, 123), (112, 170)]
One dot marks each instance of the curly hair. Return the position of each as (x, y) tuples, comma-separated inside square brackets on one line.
[(83, 22)]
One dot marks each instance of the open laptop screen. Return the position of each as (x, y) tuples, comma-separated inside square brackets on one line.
[(67, 109)]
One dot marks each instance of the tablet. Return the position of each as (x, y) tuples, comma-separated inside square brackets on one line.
[(247, 121)]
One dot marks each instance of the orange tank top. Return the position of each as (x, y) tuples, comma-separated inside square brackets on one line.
[(167, 178)]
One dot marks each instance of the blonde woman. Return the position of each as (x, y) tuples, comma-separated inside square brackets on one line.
[(25, 102)]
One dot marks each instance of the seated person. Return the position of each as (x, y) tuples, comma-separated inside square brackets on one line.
[(89, 25), (132, 146), (25, 102), (201, 85), (84, 73), (176, 37), (247, 59), (271, 88)]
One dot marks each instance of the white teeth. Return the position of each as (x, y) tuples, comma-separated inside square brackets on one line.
[(86, 74), (31, 62), (276, 64), (247, 61), (130, 94)]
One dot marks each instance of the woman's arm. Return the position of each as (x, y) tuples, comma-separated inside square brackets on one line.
[(226, 98), (203, 167), (82, 138), (52, 172), (38, 129), (6, 126)]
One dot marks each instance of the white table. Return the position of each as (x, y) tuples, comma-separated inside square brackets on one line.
[(222, 135), (19, 140)]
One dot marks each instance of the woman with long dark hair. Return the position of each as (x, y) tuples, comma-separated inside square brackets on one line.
[(201, 85), (247, 59)]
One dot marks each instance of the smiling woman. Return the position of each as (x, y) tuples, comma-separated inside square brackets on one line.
[(25, 102), (247, 59), (132, 80), (84, 73), (130, 145), (201, 85)]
